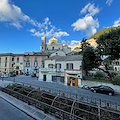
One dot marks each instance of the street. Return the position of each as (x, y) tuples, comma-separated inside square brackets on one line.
[(33, 81)]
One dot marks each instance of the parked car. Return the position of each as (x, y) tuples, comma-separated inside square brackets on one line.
[(103, 89), (33, 75), (37, 75), (12, 74), (85, 87), (4, 76)]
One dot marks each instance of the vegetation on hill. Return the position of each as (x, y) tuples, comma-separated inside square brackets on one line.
[(103, 31)]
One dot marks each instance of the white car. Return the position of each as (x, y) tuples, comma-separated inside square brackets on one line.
[(4, 76)]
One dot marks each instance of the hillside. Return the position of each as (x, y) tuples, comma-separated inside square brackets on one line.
[(92, 39), (105, 30)]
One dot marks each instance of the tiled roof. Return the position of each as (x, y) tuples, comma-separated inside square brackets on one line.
[(66, 58)]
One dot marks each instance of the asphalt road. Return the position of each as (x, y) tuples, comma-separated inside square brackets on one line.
[(9, 112), (79, 91)]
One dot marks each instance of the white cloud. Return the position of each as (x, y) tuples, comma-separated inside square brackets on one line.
[(13, 14), (109, 2), (91, 9), (32, 30), (86, 24), (117, 22), (63, 41), (74, 42), (48, 30)]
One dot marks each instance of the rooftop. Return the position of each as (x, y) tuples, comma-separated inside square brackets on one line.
[(66, 58)]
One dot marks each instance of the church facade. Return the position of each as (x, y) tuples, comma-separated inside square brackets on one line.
[(54, 46)]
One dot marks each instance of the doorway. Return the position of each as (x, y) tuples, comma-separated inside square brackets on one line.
[(44, 77)]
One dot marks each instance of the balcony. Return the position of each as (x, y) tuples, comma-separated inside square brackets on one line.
[(47, 70)]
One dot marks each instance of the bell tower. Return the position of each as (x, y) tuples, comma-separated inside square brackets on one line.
[(43, 43)]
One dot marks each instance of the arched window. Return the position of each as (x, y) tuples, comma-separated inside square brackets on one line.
[(50, 65)]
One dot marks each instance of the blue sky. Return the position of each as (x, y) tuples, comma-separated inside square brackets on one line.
[(23, 22)]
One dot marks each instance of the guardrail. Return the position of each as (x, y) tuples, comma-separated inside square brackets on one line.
[(97, 113)]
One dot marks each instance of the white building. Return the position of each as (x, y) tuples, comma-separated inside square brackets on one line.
[(62, 69)]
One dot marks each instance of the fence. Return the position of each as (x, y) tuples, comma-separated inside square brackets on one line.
[(92, 111)]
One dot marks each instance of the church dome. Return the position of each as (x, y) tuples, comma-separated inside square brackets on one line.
[(65, 45), (53, 40)]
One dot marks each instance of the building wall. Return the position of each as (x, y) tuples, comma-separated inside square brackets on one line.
[(56, 47), (19, 64), (60, 53), (32, 68), (8, 67), (76, 64), (66, 49)]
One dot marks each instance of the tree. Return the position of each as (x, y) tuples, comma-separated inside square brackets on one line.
[(109, 46), (90, 58), (108, 49)]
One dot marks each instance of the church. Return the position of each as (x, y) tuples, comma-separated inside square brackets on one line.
[(54, 46)]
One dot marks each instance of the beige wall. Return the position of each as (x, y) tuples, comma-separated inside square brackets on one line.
[(19, 63), (8, 66)]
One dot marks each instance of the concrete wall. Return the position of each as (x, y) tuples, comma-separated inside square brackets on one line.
[(92, 83)]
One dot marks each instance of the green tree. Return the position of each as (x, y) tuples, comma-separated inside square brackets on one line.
[(109, 46), (90, 58)]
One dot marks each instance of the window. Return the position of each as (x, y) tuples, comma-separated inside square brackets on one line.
[(27, 64), (17, 59), (12, 59), (80, 67), (17, 67), (35, 58), (69, 66), (35, 64), (12, 65), (50, 65), (43, 58), (5, 64), (58, 66), (6, 59), (52, 48)]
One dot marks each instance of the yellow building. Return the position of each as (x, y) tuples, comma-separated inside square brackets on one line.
[(10, 62)]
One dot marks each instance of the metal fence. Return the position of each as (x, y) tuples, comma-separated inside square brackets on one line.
[(83, 98), (97, 113)]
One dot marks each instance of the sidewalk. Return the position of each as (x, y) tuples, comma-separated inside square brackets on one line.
[(24, 107)]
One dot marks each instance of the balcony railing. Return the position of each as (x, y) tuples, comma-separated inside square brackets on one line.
[(47, 69)]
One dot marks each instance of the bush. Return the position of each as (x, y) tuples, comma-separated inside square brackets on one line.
[(116, 80), (99, 74)]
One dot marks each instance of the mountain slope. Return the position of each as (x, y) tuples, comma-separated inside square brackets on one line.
[(105, 30)]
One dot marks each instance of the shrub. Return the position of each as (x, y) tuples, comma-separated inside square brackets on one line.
[(116, 80), (99, 74)]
